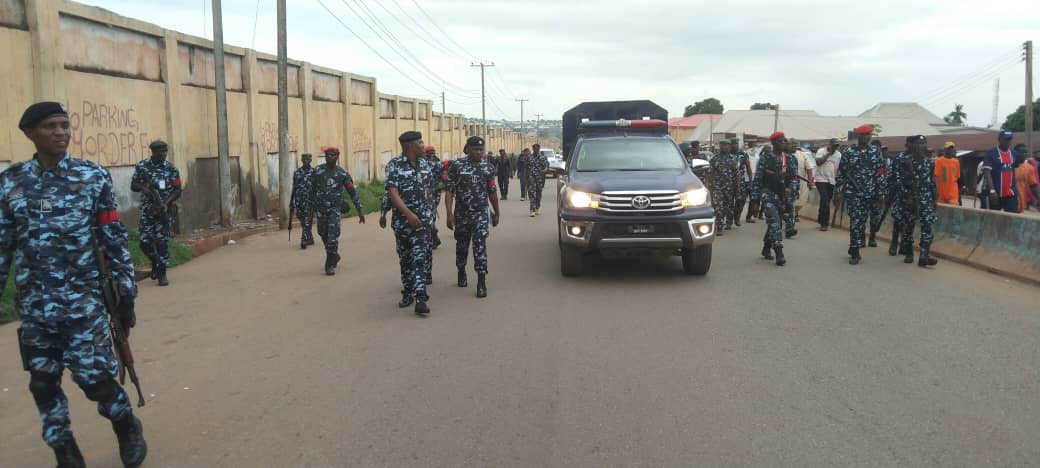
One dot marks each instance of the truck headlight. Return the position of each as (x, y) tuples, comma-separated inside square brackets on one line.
[(695, 197), (579, 199)]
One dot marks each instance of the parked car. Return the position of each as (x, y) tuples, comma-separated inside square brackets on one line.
[(555, 162)]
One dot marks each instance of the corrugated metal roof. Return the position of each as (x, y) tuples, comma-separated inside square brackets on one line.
[(901, 110), (806, 125), (692, 121)]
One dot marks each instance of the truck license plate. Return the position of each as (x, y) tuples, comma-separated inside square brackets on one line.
[(640, 229)]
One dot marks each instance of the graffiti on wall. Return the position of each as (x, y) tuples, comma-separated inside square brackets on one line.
[(361, 139), (108, 134), (269, 138)]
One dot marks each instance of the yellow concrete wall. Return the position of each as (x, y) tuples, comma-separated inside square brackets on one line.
[(17, 88), (326, 126)]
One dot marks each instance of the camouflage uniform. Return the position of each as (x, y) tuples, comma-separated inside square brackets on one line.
[(164, 179), (724, 173), (536, 179), (472, 183), (303, 185), (858, 175), (884, 192), (915, 194), (51, 221), (329, 207), (744, 190), (772, 179), (414, 249)]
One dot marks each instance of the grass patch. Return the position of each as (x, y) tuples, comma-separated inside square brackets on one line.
[(180, 254), (371, 195)]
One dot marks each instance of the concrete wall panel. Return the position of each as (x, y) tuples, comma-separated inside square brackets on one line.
[(268, 78), (95, 47), (12, 14), (197, 67), (326, 87), (326, 127), (17, 87), (114, 119)]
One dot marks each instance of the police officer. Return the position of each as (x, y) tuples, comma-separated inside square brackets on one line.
[(776, 178), (57, 215), (536, 179), (440, 177), (301, 193), (743, 178), (522, 164), (724, 170), (409, 188), (159, 183), (916, 192), (857, 181), (471, 182), (502, 168), (329, 181)]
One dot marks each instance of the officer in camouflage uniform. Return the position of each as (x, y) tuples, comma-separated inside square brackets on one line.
[(915, 193), (857, 181), (159, 183), (743, 179), (440, 177), (776, 178), (329, 181), (409, 186), (471, 182), (57, 213), (877, 205), (724, 173), (536, 179), (301, 192)]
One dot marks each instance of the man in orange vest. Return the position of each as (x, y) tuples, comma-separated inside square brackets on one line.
[(948, 175)]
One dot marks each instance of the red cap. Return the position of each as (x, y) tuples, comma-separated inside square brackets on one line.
[(865, 129), (330, 149), (776, 135), (429, 148)]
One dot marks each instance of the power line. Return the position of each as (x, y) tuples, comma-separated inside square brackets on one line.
[(982, 69), (446, 35), (441, 47), (374, 51)]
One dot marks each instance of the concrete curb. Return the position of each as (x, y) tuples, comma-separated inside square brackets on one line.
[(208, 244)]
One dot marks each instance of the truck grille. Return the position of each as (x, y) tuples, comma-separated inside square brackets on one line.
[(660, 201)]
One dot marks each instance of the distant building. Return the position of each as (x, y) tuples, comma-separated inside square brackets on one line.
[(680, 128)]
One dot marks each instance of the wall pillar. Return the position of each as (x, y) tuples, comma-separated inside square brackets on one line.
[(305, 79), (45, 37), (348, 139), (259, 161)]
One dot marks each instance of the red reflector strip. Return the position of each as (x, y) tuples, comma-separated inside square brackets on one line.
[(349, 185), (491, 184), (648, 123), (177, 182), (106, 217)]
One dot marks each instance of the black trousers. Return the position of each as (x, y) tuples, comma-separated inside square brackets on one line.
[(826, 194)]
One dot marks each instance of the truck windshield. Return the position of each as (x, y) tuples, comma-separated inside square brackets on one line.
[(628, 154)]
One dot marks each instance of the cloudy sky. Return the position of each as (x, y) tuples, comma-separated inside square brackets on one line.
[(824, 55)]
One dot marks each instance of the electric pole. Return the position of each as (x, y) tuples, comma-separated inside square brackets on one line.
[(523, 132), (776, 117), (1029, 98), (223, 163), (483, 95), (285, 165)]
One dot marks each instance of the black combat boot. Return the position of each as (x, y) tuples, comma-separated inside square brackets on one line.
[(854, 256), (872, 242), (68, 455), (160, 274), (908, 253), (794, 232), (303, 245), (926, 260), (719, 231), (132, 447), (767, 251), (481, 285), (462, 279), (436, 239), (421, 308), (893, 248), (406, 300), (780, 259), (330, 263)]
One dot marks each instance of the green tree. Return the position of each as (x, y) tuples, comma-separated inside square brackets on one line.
[(764, 106), (707, 106), (957, 116), (1016, 122)]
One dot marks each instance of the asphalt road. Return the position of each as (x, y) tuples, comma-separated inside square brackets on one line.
[(253, 358)]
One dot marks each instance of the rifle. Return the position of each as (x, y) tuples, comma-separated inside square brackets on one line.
[(120, 342), (292, 209)]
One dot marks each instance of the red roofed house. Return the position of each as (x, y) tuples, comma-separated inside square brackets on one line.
[(680, 128)]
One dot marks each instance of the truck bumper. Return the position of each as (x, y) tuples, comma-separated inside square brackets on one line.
[(671, 234)]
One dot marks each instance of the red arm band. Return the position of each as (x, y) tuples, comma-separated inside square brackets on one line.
[(106, 217)]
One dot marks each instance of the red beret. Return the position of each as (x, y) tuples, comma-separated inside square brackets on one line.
[(776, 135), (330, 149), (428, 148), (865, 129)]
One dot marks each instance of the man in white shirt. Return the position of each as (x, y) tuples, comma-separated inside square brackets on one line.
[(827, 160), (806, 168)]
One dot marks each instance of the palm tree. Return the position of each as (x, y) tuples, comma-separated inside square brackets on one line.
[(957, 116)]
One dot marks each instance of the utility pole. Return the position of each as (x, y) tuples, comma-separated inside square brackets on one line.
[(776, 117), (523, 129), (223, 163), (442, 103), (1029, 98), (285, 165), (483, 95)]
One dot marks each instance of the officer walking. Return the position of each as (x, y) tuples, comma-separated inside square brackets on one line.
[(743, 178), (776, 178), (536, 179), (301, 193), (522, 164), (160, 184), (857, 181), (440, 176), (57, 215), (916, 192), (502, 167), (471, 182), (329, 181), (409, 188), (724, 170)]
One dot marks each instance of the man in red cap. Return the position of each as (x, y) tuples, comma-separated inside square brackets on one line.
[(857, 181), (776, 178)]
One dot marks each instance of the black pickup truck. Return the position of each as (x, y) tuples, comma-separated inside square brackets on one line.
[(627, 189)]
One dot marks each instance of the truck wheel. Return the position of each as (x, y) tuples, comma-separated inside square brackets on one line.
[(697, 261), (570, 261)]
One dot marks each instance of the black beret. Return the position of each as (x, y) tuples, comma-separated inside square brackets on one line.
[(158, 145), (475, 141), (409, 136), (916, 139), (36, 113)]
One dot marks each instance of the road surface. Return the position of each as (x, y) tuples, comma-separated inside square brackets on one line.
[(254, 358)]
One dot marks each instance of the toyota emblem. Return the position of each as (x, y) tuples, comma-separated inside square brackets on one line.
[(641, 202)]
